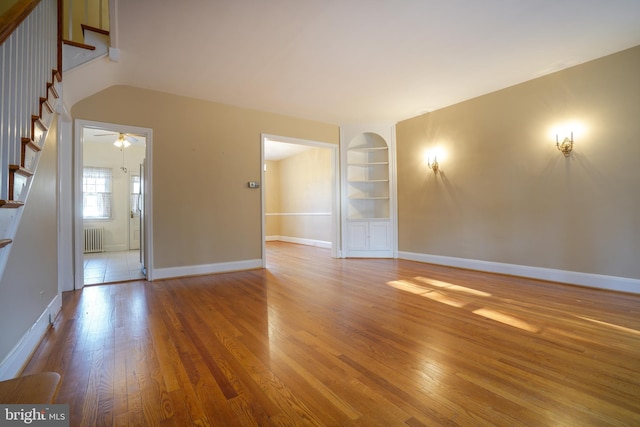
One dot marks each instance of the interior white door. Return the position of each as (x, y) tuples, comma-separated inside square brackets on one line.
[(134, 212)]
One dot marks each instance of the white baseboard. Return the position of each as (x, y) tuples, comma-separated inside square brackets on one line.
[(199, 270), (116, 248), (14, 363), (300, 241), (612, 283)]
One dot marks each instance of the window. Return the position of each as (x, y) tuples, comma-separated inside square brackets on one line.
[(96, 193)]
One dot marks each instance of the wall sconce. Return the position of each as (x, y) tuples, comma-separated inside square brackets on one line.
[(432, 156), (566, 145), (433, 164)]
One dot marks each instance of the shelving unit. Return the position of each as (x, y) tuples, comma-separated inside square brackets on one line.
[(368, 196), (368, 178)]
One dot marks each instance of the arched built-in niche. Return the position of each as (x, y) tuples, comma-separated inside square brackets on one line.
[(369, 194)]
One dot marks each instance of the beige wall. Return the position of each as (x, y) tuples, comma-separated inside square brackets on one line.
[(300, 184), (203, 156), (506, 194), (272, 198), (30, 280)]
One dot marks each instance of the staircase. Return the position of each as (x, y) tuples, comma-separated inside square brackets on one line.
[(33, 56), (30, 87)]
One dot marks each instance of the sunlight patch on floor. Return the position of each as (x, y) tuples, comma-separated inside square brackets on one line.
[(452, 287), (445, 299), (611, 325), (424, 288), (405, 285), (506, 319)]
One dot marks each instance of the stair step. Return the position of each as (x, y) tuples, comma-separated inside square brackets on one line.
[(11, 204), (18, 178), (78, 44), (51, 88), (29, 152), (86, 27), (94, 46), (38, 129), (45, 108), (17, 169), (5, 242)]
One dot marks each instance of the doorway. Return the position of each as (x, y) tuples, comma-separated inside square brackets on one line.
[(111, 194), (304, 174)]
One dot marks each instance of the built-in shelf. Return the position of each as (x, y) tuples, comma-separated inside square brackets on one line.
[(368, 191)]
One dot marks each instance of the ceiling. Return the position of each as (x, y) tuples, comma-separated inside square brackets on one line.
[(277, 150), (360, 61)]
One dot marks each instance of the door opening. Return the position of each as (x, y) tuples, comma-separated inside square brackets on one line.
[(300, 193), (109, 203)]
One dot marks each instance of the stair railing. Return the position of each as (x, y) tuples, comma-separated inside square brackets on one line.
[(30, 60), (27, 57)]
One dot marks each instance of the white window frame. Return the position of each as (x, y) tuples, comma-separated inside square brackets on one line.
[(102, 192)]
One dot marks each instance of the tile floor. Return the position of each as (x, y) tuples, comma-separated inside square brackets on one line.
[(106, 267)]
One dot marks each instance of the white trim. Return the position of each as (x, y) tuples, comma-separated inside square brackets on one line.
[(14, 363), (148, 178), (299, 214), (300, 241), (65, 201), (198, 270), (336, 224), (612, 283)]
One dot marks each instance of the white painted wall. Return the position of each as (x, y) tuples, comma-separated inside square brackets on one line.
[(105, 154)]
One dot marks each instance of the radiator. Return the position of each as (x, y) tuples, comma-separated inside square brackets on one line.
[(93, 239)]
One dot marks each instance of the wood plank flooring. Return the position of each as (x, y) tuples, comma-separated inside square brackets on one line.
[(313, 340)]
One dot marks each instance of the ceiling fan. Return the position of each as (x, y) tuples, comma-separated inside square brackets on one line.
[(124, 139)]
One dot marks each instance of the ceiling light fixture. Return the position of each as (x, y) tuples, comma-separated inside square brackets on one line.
[(121, 142)]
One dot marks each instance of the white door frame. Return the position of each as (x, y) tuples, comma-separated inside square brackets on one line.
[(335, 189), (65, 202), (80, 125)]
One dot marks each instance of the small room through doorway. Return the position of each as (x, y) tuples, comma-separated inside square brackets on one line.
[(112, 202), (300, 191)]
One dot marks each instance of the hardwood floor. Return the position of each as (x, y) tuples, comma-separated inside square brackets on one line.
[(361, 342)]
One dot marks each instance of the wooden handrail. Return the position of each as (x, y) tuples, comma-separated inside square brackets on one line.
[(13, 17)]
